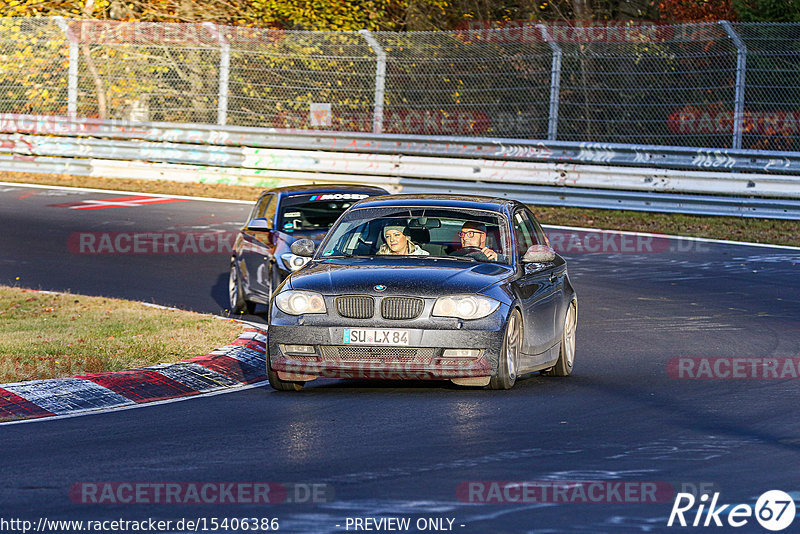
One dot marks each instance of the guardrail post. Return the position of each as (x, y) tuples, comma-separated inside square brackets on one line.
[(741, 67), (72, 73), (224, 72), (380, 80), (555, 84)]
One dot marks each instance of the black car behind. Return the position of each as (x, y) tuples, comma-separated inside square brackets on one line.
[(262, 258)]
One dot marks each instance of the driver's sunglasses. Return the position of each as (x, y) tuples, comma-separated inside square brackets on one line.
[(469, 233)]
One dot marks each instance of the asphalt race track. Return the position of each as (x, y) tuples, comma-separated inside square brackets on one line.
[(668, 395)]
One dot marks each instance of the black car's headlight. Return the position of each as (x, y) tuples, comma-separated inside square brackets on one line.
[(293, 262), (464, 306), (294, 302)]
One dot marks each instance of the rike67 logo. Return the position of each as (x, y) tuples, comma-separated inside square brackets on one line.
[(774, 510)]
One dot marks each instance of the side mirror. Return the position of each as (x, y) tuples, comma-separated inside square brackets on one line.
[(539, 254), (261, 224), (303, 247)]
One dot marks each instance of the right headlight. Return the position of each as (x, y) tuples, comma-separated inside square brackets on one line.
[(294, 302), (293, 262), (464, 306)]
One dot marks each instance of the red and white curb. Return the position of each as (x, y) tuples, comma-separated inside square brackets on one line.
[(241, 363)]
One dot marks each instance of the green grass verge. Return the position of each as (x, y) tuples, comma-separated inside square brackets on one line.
[(733, 228), (60, 335)]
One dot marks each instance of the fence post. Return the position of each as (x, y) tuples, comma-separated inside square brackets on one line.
[(72, 73), (741, 67), (555, 84), (224, 72), (380, 80)]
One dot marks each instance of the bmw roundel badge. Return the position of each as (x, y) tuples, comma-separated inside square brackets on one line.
[(380, 287)]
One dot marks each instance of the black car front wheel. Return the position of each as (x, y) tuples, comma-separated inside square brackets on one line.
[(236, 296), (282, 385), (508, 366)]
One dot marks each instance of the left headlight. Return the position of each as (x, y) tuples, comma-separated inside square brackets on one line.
[(296, 302), (293, 262), (464, 306)]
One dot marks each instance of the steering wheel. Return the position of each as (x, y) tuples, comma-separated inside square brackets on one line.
[(474, 252)]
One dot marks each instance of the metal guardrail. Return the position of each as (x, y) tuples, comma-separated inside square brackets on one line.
[(675, 179), (622, 200), (363, 166), (665, 157)]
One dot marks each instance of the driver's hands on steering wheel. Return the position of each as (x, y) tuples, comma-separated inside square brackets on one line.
[(489, 253), (480, 253)]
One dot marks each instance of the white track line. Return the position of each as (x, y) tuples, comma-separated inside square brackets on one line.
[(118, 191), (686, 238)]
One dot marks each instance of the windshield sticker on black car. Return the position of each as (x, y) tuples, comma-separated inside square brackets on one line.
[(339, 196)]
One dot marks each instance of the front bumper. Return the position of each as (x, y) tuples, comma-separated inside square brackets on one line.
[(423, 358)]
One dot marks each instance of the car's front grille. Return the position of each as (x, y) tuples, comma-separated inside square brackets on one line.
[(355, 306), (377, 354), (401, 307)]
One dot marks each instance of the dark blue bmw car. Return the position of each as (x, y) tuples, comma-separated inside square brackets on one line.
[(262, 255), (455, 288)]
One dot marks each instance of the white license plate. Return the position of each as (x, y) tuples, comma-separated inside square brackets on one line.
[(375, 336)]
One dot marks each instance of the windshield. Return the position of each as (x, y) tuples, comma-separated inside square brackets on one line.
[(470, 235), (314, 212)]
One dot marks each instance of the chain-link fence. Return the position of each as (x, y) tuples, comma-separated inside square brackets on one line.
[(716, 85)]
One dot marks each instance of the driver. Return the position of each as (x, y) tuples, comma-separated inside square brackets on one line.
[(473, 243)]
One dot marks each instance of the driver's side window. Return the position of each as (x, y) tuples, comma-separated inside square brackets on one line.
[(264, 205)]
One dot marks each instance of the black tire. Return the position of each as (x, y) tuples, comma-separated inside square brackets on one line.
[(274, 282), (566, 353), (236, 296), (282, 385), (508, 366)]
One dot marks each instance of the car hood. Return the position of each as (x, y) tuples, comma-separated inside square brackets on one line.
[(400, 276)]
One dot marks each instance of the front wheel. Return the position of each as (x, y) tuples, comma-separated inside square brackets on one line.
[(281, 385), (566, 355), (236, 296), (508, 366)]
